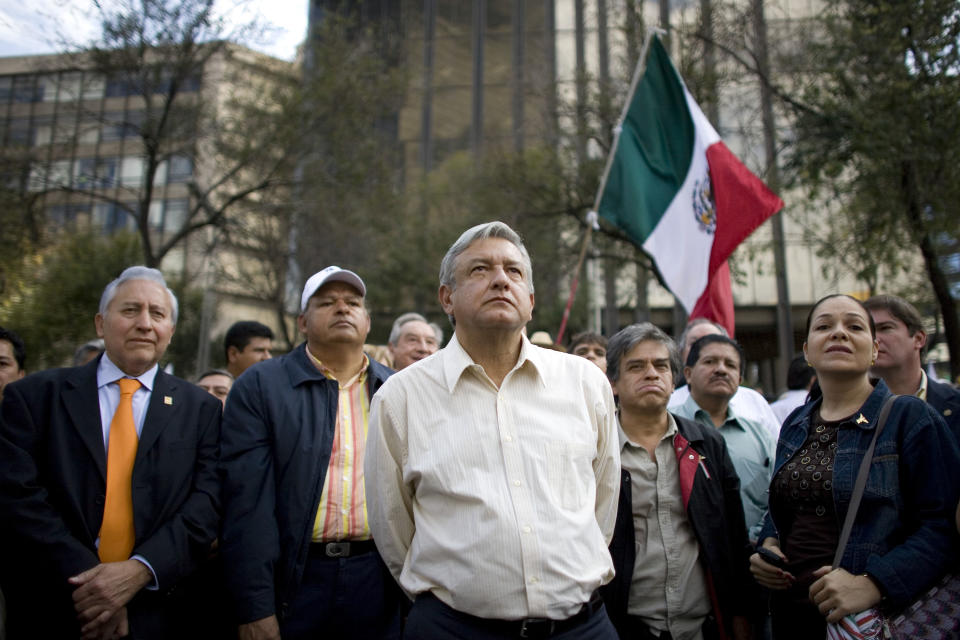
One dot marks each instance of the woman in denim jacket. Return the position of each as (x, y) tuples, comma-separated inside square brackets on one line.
[(903, 538)]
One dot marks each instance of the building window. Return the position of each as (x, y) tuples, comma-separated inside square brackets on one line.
[(93, 87), (131, 172), (85, 173), (106, 172), (155, 215), (64, 89), (28, 88), (181, 169), (118, 125), (6, 88), (118, 88), (112, 218), (20, 132), (175, 215)]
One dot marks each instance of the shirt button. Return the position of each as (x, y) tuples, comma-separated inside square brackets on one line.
[(509, 438), (516, 483), (534, 580), (527, 529)]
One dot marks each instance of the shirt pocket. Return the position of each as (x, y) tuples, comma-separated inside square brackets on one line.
[(884, 477), (570, 470)]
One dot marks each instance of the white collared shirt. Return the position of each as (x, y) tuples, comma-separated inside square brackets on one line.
[(501, 502), (109, 395)]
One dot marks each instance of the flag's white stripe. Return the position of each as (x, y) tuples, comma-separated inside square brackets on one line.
[(678, 244)]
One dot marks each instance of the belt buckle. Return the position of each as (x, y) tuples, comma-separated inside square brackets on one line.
[(337, 549), (529, 625)]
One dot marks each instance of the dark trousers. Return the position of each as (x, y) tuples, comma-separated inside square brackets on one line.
[(354, 598), (795, 617), (431, 619)]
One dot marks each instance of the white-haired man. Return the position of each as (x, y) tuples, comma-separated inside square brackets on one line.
[(412, 338), (492, 467), (108, 490)]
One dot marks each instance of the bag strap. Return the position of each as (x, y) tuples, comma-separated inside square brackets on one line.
[(861, 482)]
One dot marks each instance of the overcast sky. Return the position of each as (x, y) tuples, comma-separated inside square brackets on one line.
[(35, 26)]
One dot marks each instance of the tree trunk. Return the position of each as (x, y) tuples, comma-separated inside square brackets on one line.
[(941, 288)]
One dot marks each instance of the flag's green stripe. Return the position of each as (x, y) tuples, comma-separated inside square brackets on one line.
[(654, 151)]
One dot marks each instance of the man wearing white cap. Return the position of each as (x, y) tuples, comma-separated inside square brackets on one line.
[(296, 544)]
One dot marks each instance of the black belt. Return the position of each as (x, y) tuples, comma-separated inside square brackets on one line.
[(342, 549), (639, 629), (531, 627)]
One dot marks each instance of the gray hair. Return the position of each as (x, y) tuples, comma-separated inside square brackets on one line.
[(682, 342), (83, 351), (215, 372), (138, 273), (483, 231), (629, 337), (413, 316), (401, 320)]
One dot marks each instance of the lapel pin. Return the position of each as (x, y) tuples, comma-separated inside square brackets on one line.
[(862, 420), (167, 400)]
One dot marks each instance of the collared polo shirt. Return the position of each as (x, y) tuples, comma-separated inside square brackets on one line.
[(752, 450)]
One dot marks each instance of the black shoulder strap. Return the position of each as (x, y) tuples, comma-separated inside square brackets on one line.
[(861, 482)]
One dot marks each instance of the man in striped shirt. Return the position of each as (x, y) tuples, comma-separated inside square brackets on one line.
[(296, 542)]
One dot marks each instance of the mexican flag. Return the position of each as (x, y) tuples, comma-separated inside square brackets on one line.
[(676, 190)]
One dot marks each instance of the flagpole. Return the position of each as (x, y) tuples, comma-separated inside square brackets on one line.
[(637, 74), (592, 215)]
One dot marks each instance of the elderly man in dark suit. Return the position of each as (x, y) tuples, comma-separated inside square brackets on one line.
[(108, 489)]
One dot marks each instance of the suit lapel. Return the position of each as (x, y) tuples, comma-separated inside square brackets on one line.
[(82, 404), (160, 412)]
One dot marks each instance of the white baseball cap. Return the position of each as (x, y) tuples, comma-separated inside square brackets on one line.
[(330, 274)]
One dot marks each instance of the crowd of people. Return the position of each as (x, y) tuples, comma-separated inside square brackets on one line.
[(493, 488)]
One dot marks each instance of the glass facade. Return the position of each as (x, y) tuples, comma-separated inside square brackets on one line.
[(79, 134)]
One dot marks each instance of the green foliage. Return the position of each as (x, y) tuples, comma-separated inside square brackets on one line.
[(182, 352), (60, 295), (54, 311), (878, 139)]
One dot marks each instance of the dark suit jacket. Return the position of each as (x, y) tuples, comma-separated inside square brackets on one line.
[(946, 400), (53, 484)]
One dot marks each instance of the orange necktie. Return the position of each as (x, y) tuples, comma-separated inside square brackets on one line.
[(116, 531)]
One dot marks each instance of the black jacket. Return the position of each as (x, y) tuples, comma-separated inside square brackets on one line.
[(946, 400), (716, 514), (278, 431), (53, 487)]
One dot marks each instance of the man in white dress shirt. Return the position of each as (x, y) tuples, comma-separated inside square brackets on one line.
[(492, 466), (745, 401)]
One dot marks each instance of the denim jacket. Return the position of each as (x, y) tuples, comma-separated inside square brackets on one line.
[(904, 536)]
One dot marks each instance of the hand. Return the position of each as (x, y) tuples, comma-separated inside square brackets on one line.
[(105, 588), (838, 593), (262, 629), (114, 628), (768, 575)]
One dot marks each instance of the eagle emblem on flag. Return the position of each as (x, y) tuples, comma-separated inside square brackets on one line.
[(704, 209)]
